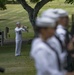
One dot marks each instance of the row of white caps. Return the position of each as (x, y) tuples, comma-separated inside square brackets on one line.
[(49, 17)]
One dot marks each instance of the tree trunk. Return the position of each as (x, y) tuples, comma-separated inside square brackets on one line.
[(32, 20), (33, 12)]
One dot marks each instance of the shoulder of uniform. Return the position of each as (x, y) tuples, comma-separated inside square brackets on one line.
[(35, 41), (60, 31), (52, 40), (38, 45), (39, 48)]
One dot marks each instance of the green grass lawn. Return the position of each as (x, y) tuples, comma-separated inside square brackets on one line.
[(21, 65)]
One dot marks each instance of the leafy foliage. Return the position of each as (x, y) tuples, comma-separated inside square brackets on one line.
[(69, 1), (2, 4)]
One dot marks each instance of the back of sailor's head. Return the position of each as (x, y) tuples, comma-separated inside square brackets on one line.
[(17, 23)]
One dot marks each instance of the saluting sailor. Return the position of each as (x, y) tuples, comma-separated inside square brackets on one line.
[(18, 38)]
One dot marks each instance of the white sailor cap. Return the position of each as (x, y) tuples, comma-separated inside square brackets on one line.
[(45, 22), (61, 12), (18, 23), (50, 15)]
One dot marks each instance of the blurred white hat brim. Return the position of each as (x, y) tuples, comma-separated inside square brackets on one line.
[(45, 22), (17, 23), (63, 14)]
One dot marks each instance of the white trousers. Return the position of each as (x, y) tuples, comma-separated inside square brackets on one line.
[(18, 47)]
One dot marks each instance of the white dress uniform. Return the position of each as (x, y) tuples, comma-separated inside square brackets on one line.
[(61, 30), (18, 40), (62, 53), (45, 58), (54, 42)]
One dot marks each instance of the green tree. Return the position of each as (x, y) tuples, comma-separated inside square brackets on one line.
[(70, 1), (33, 12), (3, 4)]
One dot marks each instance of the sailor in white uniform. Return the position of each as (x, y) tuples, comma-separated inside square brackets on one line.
[(55, 42), (18, 39), (50, 14), (63, 24), (47, 60), (62, 31)]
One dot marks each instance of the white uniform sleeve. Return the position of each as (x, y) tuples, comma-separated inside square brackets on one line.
[(19, 29), (23, 29), (43, 61)]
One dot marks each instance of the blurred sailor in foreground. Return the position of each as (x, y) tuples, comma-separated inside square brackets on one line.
[(55, 42), (47, 60), (18, 39), (64, 41)]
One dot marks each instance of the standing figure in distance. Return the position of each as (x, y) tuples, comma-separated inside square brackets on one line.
[(18, 39)]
